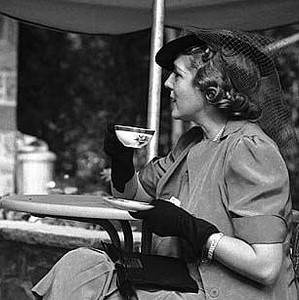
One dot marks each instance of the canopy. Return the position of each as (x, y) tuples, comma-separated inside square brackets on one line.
[(123, 16)]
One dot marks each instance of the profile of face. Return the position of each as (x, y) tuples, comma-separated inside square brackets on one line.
[(188, 102)]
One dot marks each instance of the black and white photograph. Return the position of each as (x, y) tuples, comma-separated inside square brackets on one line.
[(149, 150)]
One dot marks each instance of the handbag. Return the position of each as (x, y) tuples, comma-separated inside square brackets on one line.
[(149, 272)]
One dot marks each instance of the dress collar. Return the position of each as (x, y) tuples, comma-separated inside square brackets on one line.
[(232, 126)]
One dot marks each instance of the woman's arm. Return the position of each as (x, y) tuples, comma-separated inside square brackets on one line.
[(257, 189), (133, 190), (259, 262)]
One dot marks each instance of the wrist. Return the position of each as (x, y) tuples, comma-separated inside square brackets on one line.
[(210, 239), (212, 244), (124, 157), (130, 189), (198, 232), (121, 172)]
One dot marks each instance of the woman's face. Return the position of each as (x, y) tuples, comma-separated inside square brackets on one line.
[(187, 100)]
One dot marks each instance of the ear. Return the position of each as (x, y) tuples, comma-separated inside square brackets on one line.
[(211, 93)]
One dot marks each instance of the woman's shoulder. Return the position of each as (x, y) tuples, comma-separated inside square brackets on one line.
[(251, 133), (250, 139)]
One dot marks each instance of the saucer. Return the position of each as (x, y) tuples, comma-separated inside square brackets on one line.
[(131, 205)]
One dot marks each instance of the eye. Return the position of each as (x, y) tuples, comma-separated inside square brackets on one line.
[(176, 74)]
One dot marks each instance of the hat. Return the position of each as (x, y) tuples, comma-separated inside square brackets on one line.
[(229, 42), (170, 51)]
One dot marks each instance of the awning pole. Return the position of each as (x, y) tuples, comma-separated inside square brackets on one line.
[(153, 111), (283, 42)]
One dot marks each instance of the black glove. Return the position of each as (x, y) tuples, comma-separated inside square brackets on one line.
[(167, 219), (122, 167)]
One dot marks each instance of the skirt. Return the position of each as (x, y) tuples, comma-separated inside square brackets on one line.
[(89, 274)]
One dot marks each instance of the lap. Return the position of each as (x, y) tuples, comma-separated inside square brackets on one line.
[(89, 274), (160, 295)]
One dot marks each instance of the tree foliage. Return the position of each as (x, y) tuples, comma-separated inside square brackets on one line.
[(71, 86)]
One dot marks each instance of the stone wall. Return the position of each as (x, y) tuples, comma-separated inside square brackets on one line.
[(8, 102), (28, 250)]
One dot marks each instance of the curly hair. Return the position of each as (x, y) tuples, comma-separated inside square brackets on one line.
[(229, 82)]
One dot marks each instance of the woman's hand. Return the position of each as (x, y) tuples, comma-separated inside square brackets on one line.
[(167, 219), (112, 145), (122, 167)]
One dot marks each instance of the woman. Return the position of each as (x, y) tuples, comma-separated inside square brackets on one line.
[(232, 214)]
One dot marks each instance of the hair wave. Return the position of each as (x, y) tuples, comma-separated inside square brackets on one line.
[(228, 82)]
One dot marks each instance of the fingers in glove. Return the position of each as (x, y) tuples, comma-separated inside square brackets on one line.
[(113, 146), (160, 207), (142, 214)]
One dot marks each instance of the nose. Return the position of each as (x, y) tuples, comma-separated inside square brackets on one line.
[(168, 82)]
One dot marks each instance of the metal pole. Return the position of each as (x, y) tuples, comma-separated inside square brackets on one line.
[(283, 43), (177, 127), (153, 112)]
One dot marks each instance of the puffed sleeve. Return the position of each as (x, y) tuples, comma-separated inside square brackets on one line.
[(257, 186)]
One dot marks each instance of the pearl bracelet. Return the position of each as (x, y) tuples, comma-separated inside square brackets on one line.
[(217, 237)]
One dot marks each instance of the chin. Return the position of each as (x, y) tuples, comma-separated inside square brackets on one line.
[(175, 114)]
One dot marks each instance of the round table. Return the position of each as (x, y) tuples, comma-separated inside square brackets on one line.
[(82, 208)]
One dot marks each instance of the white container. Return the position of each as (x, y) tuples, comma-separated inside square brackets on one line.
[(34, 172)]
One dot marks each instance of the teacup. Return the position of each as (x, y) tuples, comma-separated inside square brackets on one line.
[(133, 137)]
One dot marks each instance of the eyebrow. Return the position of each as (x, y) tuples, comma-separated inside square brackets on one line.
[(177, 68)]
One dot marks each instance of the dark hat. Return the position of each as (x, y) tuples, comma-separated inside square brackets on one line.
[(170, 51), (250, 45)]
